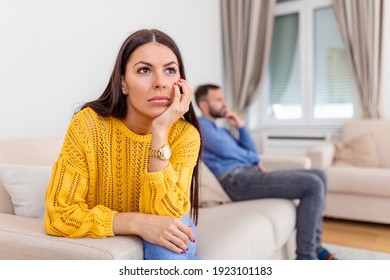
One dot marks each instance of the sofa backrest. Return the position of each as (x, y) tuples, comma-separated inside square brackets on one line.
[(380, 130), (27, 151), (31, 151), (44, 151)]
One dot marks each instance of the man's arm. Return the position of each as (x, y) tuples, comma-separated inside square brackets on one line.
[(245, 140), (224, 145)]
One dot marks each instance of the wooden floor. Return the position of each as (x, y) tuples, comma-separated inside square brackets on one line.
[(369, 236)]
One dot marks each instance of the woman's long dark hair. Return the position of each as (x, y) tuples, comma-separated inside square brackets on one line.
[(113, 102)]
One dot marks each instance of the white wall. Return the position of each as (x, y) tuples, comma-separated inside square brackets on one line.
[(55, 55)]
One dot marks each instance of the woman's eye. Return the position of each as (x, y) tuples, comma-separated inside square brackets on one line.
[(144, 70), (171, 70)]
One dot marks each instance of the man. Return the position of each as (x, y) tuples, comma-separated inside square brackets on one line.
[(237, 165)]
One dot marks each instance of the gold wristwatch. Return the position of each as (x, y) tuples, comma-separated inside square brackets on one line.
[(164, 153)]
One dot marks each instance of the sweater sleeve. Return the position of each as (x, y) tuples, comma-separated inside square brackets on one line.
[(167, 192), (67, 211)]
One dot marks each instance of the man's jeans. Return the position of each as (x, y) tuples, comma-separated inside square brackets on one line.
[(155, 252), (309, 186)]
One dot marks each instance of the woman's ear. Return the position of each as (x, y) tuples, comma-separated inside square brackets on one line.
[(124, 86)]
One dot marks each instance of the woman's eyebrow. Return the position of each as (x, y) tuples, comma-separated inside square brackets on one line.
[(143, 62), (150, 64), (170, 63)]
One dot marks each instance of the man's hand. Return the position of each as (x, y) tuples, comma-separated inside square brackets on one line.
[(233, 119), (261, 166)]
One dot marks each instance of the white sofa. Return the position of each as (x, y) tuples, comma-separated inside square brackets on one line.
[(258, 229), (358, 171)]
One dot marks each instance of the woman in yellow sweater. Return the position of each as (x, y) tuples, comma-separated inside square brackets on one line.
[(129, 162)]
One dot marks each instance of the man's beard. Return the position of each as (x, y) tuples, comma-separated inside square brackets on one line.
[(217, 114)]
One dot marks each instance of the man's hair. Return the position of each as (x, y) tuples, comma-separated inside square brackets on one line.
[(202, 91)]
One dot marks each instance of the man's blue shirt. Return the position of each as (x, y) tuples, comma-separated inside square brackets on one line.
[(222, 152)]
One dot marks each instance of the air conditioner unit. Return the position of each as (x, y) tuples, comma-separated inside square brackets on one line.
[(292, 143)]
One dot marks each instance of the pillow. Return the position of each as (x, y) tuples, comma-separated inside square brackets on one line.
[(26, 185), (360, 151), (211, 191)]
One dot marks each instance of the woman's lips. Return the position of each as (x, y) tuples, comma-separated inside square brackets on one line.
[(160, 100)]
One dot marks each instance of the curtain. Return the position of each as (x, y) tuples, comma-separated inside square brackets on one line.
[(361, 25), (247, 34)]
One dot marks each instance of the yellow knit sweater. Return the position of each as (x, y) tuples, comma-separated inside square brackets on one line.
[(103, 169)]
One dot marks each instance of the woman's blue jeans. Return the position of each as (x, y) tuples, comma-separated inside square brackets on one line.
[(155, 252)]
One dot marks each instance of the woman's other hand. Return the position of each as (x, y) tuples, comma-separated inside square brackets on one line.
[(164, 231)]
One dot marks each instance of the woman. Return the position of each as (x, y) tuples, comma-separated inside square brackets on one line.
[(129, 162)]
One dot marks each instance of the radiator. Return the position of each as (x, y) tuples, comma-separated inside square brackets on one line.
[(292, 144)]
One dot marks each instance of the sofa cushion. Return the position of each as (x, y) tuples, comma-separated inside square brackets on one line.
[(359, 180), (380, 129), (211, 191), (26, 185), (238, 229), (233, 232), (6, 205), (280, 212), (25, 238), (360, 151)]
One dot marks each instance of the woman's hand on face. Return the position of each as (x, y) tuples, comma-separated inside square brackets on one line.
[(179, 106), (167, 232)]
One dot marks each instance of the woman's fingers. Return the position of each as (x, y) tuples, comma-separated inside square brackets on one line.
[(181, 101), (187, 230), (179, 243), (177, 93), (180, 235), (168, 232), (187, 91)]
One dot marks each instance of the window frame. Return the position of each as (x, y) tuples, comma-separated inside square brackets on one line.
[(306, 24)]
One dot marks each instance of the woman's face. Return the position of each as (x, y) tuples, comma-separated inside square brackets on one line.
[(148, 82)]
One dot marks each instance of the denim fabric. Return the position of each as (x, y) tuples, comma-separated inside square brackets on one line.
[(155, 252), (309, 186)]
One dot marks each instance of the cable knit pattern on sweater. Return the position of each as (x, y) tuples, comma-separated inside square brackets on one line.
[(102, 169)]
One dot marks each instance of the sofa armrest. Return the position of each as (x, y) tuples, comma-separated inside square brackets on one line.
[(25, 238), (322, 156), (276, 162)]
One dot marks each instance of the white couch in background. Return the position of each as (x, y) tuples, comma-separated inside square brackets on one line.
[(257, 229), (358, 171)]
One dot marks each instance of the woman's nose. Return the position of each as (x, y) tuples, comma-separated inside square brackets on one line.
[(160, 82)]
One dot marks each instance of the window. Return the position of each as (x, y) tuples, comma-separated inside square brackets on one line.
[(309, 81), (332, 88), (285, 99)]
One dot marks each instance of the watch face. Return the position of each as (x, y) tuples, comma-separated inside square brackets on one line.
[(166, 152)]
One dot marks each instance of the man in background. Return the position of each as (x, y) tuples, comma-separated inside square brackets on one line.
[(242, 174)]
